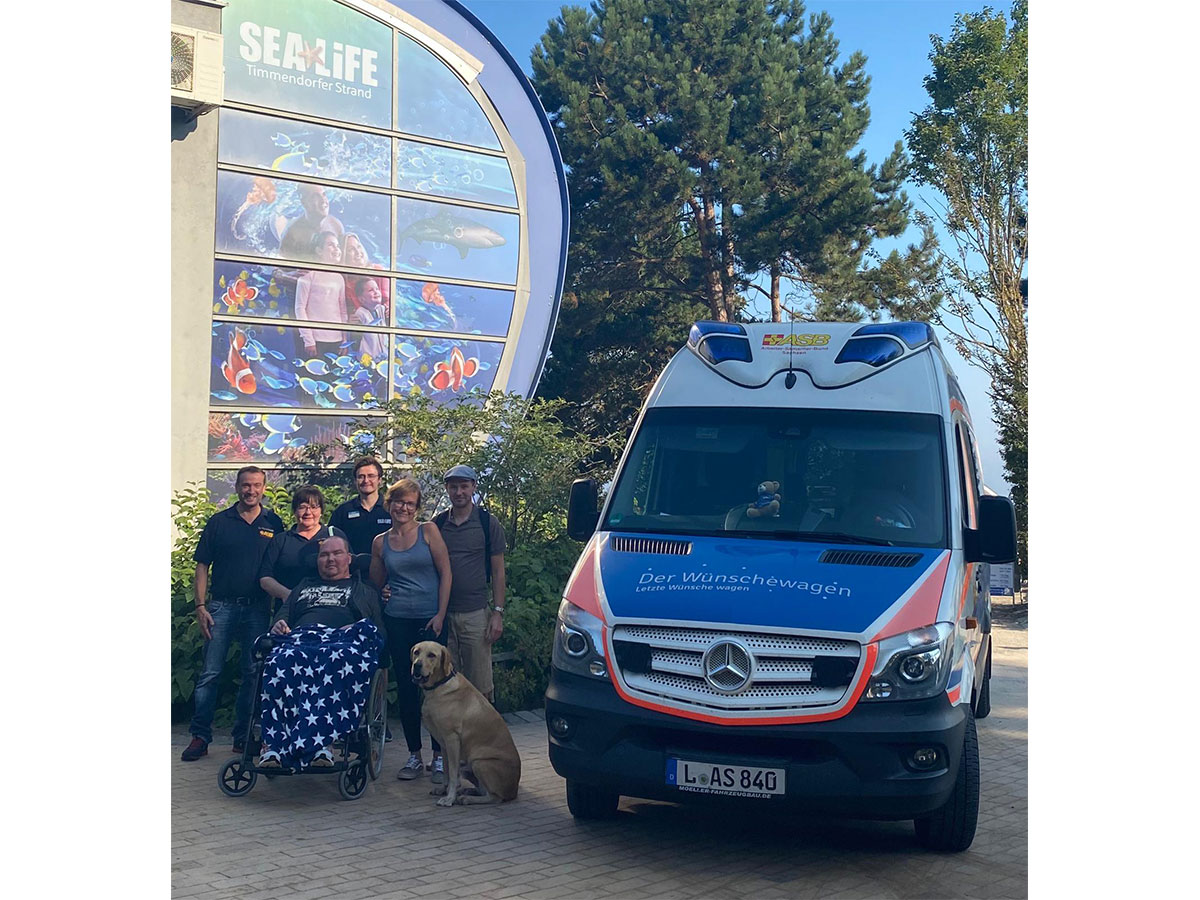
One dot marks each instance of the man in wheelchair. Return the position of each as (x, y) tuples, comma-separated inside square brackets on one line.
[(328, 643)]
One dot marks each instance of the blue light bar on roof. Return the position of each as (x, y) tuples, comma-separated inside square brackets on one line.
[(716, 342), (874, 351), (915, 334)]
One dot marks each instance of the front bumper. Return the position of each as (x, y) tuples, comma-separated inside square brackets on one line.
[(854, 766)]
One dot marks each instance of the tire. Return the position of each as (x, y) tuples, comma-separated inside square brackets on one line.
[(952, 828), (983, 703), (586, 801), (236, 778), (353, 780), (376, 725)]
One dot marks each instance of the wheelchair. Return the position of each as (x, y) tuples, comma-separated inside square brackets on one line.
[(239, 774)]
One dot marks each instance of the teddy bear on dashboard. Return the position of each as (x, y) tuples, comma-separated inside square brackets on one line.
[(767, 503)]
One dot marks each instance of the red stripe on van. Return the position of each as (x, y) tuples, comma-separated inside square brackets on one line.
[(581, 589), (872, 652), (921, 608)]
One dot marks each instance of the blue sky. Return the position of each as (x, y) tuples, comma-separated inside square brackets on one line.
[(894, 36)]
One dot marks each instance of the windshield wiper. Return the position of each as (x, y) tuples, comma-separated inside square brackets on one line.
[(832, 536)]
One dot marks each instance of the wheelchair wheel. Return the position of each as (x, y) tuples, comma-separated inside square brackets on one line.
[(376, 725), (235, 778), (353, 780)]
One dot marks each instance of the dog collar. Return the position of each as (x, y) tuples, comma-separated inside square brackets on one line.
[(440, 683)]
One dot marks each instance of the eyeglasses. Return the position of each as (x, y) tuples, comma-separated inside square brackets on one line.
[(307, 507), (405, 504)]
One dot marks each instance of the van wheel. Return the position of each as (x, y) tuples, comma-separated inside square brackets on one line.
[(983, 703), (586, 801), (953, 826)]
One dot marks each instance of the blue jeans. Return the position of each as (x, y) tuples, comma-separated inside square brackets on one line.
[(230, 622)]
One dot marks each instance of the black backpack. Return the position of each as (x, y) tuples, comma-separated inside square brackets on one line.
[(485, 522)]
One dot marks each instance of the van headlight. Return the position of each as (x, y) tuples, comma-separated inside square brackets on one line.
[(914, 665), (579, 642)]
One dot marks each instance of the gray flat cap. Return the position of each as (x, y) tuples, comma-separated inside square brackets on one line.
[(461, 471)]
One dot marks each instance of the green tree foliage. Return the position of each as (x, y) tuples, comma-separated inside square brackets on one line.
[(525, 458), (971, 144), (710, 145)]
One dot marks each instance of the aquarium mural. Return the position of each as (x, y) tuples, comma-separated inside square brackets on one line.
[(429, 169), (271, 365), (430, 306), (456, 242), (309, 56), (374, 234), (272, 217), (305, 148), (433, 102), (282, 437), (443, 368), (272, 292)]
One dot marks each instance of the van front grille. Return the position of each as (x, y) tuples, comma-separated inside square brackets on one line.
[(671, 666), (624, 544)]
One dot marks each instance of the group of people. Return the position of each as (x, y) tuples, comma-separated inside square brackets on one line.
[(375, 560), (325, 296)]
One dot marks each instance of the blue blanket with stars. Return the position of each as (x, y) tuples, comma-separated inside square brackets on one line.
[(316, 682)]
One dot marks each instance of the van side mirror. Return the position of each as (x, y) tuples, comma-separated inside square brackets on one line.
[(583, 509), (995, 541)]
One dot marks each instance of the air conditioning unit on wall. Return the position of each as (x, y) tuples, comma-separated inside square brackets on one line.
[(197, 69)]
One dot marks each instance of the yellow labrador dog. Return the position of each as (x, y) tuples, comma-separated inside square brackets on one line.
[(468, 728)]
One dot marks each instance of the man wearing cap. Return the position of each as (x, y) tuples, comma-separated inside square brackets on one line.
[(232, 543), (364, 516), (475, 542)]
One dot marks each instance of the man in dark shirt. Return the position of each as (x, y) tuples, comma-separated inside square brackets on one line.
[(364, 516), (232, 544), (335, 599)]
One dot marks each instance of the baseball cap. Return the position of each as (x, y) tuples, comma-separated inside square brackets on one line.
[(461, 471)]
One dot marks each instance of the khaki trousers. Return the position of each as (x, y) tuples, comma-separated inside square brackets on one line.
[(472, 653)]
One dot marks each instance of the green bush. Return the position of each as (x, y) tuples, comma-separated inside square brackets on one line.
[(537, 573)]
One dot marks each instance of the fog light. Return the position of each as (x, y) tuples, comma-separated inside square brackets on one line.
[(879, 690), (560, 727), (597, 668), (925, 758), (576, 643)]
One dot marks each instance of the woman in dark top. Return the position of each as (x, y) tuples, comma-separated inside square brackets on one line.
[(292, 555), (411, 559)]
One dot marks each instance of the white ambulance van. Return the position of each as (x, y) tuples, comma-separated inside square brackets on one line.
[(784, 597)]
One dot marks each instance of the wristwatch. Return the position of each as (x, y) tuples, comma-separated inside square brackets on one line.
[(499, 609)]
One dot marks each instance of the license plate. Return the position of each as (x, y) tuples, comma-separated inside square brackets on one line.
[(716, 778)]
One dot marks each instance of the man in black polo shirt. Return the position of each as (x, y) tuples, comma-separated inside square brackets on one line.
[(232, 544), (364, 516)]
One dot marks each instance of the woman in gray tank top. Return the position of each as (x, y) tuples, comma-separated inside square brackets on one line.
[(411, 559)]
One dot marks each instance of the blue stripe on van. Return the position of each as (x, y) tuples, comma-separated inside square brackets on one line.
[(747, 581)]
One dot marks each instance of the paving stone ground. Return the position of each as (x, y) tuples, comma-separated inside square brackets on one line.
[(296, 838)]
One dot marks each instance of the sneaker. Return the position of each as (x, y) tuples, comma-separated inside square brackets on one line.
[(196, 749), (439, 771), (387, 736), (323, 759), (413, 768), (269, 760)]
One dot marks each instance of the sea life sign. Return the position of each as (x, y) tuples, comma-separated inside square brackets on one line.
[(309, 56)]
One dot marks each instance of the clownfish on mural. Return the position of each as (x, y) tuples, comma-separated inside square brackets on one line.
[(236, 369), (238, 293), (453, 372)]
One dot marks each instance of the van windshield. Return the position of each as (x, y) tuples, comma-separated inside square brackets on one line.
[(848, 475)]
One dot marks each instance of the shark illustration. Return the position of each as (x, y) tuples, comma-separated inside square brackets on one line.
[(444, 228)]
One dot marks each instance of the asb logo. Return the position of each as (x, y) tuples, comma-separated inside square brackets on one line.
[(795, 340)]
